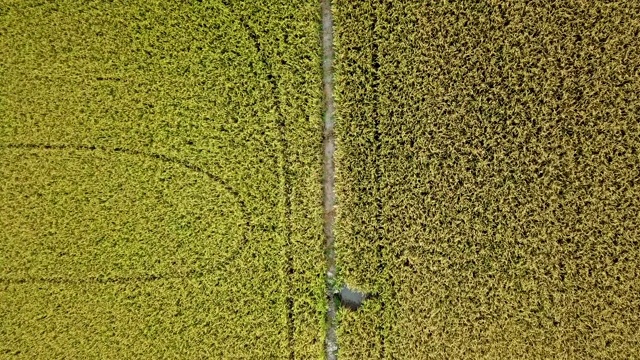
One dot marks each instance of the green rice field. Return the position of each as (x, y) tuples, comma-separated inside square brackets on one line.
[(162, 176), (159, 180)]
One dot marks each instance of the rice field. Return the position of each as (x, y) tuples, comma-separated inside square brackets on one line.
[(489, 178), (159, 171), (161, 179)]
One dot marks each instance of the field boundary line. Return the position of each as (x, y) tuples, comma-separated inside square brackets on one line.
[(328, 178)]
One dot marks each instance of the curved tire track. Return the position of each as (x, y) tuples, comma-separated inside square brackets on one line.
[(159, 157)]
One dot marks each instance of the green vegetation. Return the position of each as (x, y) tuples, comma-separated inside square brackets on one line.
[(160, 169), (160, 180), (488, 178)]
